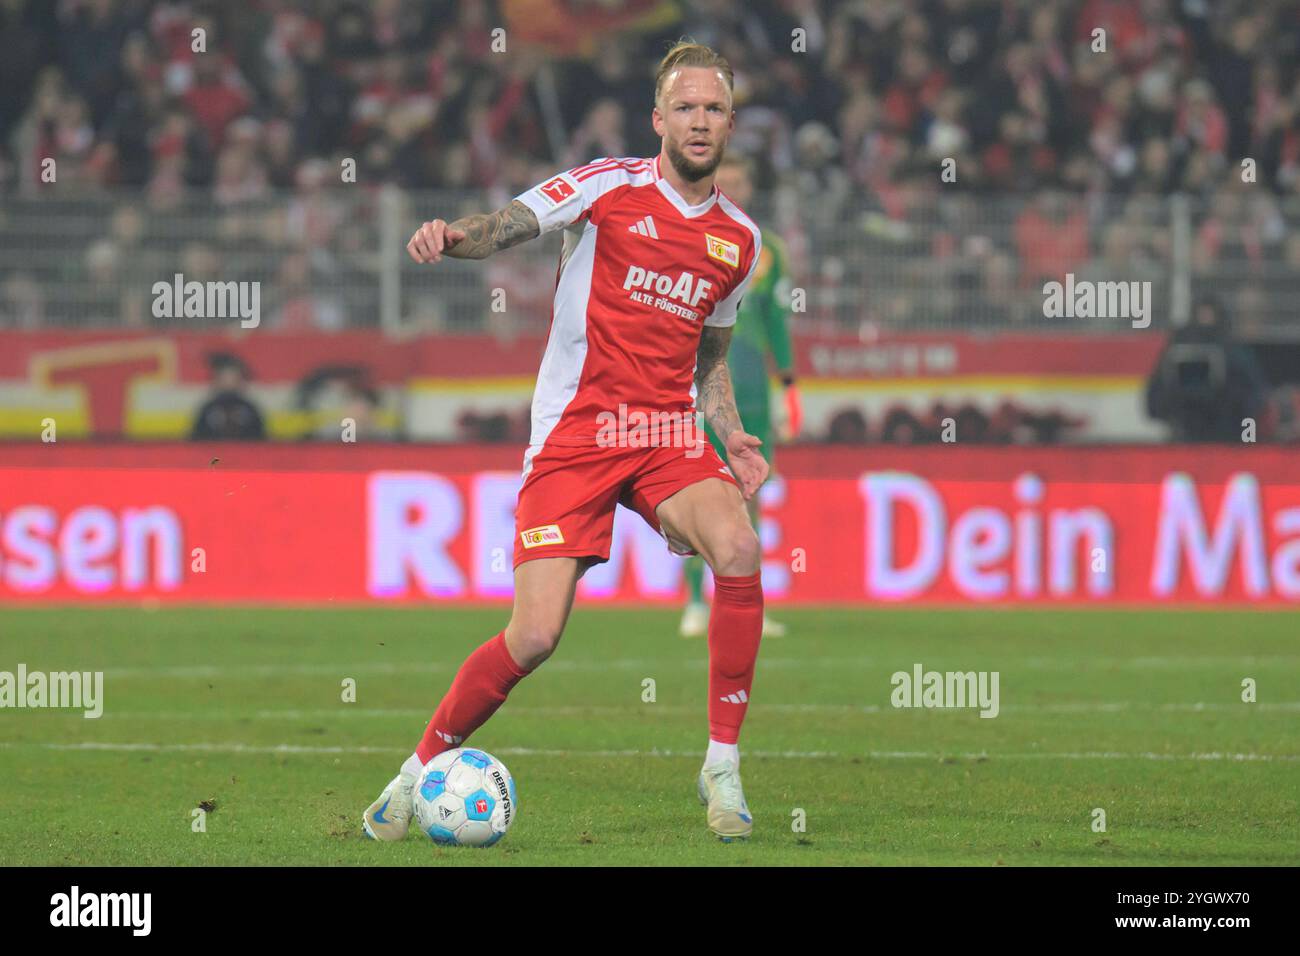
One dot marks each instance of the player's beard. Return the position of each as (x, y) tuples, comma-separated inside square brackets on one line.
[(690, 170)]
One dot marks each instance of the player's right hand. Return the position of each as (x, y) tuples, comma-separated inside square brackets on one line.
[(747, 463), (432, 239)]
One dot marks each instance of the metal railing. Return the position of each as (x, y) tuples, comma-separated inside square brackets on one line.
[(926, 260)]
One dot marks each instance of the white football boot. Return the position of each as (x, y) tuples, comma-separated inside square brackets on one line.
[(695, 623), (719, 790), (389, 817), (695, 620)]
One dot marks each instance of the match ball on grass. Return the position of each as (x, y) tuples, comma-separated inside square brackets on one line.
[(465, 797)]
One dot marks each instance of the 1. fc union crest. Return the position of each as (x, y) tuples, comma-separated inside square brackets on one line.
[(546, 534), (723, 251)]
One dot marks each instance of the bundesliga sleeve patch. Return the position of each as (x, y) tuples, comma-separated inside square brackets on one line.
[(546, 534), (723, 251), (559, 190)]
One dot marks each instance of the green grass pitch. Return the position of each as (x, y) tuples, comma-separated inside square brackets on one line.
[(1138, 713)]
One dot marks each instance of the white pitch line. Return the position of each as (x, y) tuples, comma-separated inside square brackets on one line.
[(242, 748), (227, 748), (199, 671), (577, 710), (353, 668), (1007, 663)]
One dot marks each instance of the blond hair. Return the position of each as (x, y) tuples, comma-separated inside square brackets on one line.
[(689, 53)]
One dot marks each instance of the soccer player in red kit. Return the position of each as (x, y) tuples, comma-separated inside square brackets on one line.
[(654, 265)]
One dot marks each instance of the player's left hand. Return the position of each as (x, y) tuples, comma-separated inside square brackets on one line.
[(746, 462)]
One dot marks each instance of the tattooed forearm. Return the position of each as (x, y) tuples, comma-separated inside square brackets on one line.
[(486, 233), (714, 396)]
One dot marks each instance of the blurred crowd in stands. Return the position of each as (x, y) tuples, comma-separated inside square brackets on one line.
[(834, 97), (930, 163), (1085, 112)]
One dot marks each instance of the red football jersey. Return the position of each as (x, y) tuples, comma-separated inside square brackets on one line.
[(640, 274)]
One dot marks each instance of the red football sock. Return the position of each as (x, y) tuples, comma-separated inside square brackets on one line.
[(480, 687), (735, 628)]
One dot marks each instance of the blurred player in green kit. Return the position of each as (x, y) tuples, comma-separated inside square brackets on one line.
[(760, 329)]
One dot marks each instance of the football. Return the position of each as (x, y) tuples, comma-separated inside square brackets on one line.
[(465, 797)]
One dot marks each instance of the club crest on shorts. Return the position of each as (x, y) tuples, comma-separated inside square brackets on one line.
[(723, 251), (546, 534)]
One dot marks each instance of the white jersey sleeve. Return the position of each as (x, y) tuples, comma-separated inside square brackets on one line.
[(566, 197), (724, 313), (558, 202)]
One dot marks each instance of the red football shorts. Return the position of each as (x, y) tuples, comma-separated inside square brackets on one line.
[(566, 504)]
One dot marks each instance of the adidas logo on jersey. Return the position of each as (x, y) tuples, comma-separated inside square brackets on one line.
[(686, 288), (646, 227)]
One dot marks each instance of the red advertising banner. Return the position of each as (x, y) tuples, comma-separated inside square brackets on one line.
[(426, 524)]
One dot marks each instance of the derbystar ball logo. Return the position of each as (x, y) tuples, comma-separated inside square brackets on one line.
[(680, 295), (547, 534), (503, 794)]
